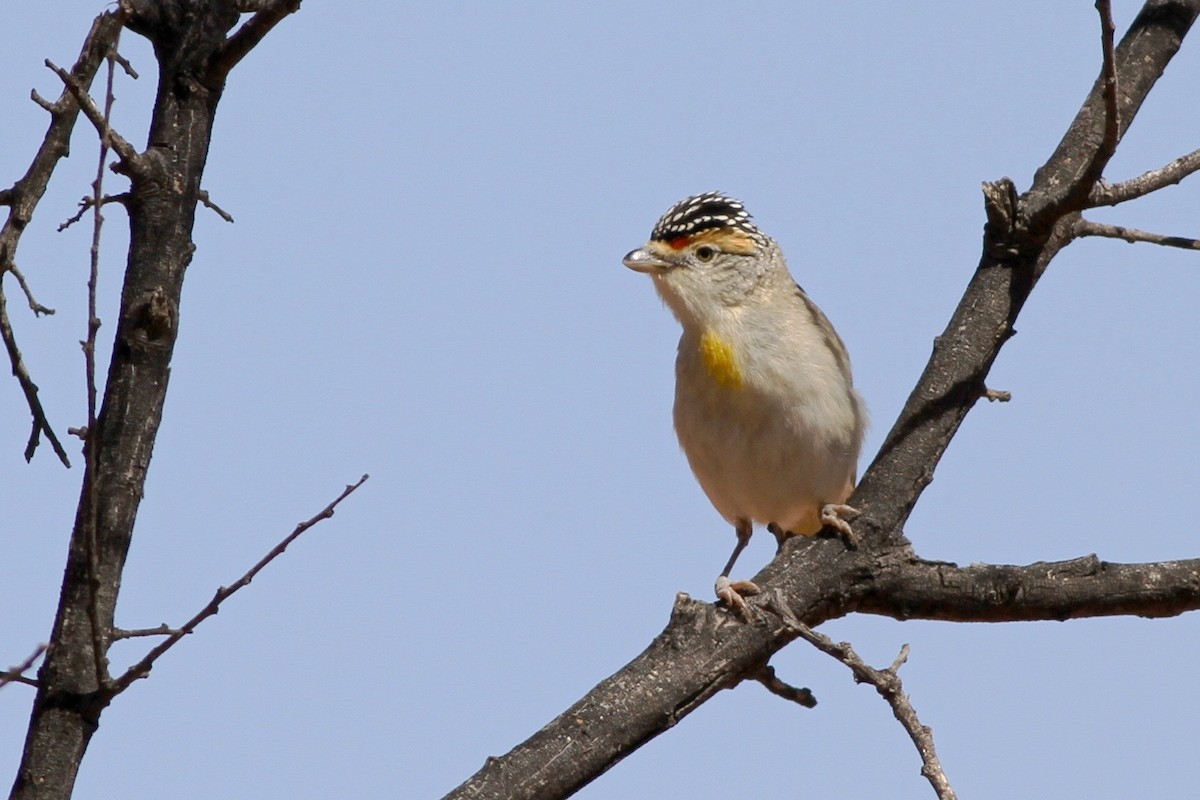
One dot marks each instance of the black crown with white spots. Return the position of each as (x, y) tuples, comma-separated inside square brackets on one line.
[(704, 212)]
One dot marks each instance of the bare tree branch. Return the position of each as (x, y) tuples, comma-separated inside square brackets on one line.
[(22, 198), (41, 425), (887, 683), (143, 667), (208, 203), (133, 633), (1056, 590), (1106, 194), (1112, 115), (186, 37), (1065, 184), (1086, 227), (99, 632), (37, 308), (268, 14), (17, 674), (88, 203)]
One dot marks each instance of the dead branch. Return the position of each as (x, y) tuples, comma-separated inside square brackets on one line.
[(794, 694), (208, 203), (1106, 194), (268, 14), (127, 152), (1085, 227), (17, 674), (143, 667), (22, 199), (887, 683)]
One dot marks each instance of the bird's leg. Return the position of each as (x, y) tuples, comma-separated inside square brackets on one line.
[(780, 535), (730, 592), (834, 514)]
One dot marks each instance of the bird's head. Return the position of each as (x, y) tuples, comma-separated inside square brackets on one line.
[(705, 253)]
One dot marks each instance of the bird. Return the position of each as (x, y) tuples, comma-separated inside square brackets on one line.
[(765, 406)]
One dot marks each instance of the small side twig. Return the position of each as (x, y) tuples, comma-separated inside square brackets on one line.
[(796, 694), (113, 55), (37, 308), (87, 203), (143, 667), (996, 395), (41, 425), (1086, 227), (203, 197), (17, 674), (24, 196), (887, 683), (133, 633)]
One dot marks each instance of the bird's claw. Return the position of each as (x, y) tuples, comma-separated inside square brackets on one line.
[(834, 515), (732, 593)]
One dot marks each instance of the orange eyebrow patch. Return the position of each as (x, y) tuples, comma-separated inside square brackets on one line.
[(678, 243), (730, 240)]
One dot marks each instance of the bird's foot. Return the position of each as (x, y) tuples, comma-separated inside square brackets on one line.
[(732, 593), (834, 515)]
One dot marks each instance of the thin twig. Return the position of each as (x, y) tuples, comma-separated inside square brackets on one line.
[(997, 395), (17, 674), (1110, 194), (1112, 118), (125, 65), (37, 308), (1086, 227), (87, 203), (887, 683), (23, 198), (100, 633), (203, 197), (143, 667), (133, 633), (29, 388)]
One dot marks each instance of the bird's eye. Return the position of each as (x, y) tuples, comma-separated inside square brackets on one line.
[(705, 253)]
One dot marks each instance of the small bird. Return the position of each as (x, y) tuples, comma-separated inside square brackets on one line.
[(765, 406)]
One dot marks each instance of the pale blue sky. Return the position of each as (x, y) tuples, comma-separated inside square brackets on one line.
[(424, 283)]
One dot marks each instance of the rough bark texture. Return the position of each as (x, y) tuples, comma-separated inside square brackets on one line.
[(704, 649)]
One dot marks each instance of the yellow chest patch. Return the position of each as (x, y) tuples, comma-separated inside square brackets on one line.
[(720, 360)]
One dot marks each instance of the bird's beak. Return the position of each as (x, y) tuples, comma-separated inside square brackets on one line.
[(641, 260)]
